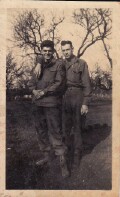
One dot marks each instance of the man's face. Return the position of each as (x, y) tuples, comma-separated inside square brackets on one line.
[(47, 53), (67, 51)]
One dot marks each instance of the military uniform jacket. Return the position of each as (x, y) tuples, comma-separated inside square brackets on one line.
[(78, 76), (52, 81)]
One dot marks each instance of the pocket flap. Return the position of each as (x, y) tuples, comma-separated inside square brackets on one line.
[(76, 69), (52, 69)]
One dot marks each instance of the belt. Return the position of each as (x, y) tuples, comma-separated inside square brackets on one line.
[(73, 87)]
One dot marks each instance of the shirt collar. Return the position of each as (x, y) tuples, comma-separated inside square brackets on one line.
[(49, 64), (71, 61)]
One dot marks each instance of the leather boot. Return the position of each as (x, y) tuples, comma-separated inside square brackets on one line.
[(64, 168), (44, 160)]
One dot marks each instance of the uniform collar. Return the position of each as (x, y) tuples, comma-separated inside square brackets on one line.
[(49, 64), (71, 61)]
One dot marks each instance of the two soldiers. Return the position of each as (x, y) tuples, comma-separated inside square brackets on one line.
[(60, 84)]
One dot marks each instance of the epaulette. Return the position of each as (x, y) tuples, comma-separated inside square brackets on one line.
[(81, 60)]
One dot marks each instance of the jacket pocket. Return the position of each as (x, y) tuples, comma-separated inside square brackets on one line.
[(49, 76), (77, 70), (52, 69), (76, 74), (52, 72)]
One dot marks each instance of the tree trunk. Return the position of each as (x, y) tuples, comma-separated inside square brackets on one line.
[(107, 52), (57, 55)]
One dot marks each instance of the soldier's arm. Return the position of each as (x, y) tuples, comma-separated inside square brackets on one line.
[(37, 69), (35, 73), (32, 83), (86, 84), (59, 83), (38, 65), (32, 87)]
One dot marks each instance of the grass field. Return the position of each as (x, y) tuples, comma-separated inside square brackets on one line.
[(22, 150)]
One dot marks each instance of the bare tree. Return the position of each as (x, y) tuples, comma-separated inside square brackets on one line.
[(97, 26), (53, 30), (17, 76), (106, 17), (12, 71), (27, 29), (30, 30)]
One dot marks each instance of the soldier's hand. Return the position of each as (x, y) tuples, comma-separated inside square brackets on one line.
[(84, 109), (38, 93), (37, 70), (35, 92)]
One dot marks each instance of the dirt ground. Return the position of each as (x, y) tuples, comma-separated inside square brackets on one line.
[(22, 150)]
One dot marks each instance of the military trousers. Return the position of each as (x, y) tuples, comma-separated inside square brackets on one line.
[(71, 120), (48, 124)]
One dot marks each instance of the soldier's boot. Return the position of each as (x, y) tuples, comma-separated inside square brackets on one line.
[(44, 160), (64, 167)]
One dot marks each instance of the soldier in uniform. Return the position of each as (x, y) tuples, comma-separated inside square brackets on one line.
[(48, 88), (75, 101), (76, 97)]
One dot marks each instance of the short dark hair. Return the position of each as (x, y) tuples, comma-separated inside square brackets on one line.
[(64, 42), (47, 43)]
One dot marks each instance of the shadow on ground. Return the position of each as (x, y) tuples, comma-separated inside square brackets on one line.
[(22, 150)]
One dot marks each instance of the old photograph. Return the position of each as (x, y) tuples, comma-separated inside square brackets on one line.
[(58, 100), (59, 97)]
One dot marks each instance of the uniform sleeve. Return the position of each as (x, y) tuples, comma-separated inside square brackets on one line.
[(39, 59), (86, 84), (32, 84), (58, 86)]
